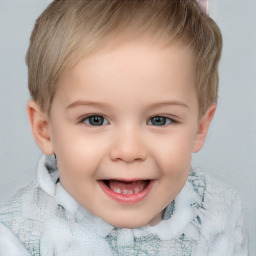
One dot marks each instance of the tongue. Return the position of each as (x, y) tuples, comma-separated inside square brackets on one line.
[(115, 184)]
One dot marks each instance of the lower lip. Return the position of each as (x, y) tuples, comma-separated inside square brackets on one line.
[(127, 198)]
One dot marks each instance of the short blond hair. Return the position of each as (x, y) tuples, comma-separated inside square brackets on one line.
[(59, 31)]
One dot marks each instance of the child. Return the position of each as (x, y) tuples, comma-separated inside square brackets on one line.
[(123, 92)]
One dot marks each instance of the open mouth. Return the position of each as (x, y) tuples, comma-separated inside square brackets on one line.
[(127, 192), (127, 187)]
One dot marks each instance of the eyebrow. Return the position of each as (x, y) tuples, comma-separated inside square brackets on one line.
[(102, 104), (85, 103), (175, 103)]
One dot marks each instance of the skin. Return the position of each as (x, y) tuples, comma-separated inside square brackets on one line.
[(128, 84)]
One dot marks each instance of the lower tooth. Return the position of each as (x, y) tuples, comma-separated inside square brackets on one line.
[(136, 191), (127, 192)]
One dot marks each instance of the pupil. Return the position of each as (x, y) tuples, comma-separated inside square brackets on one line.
[(158, 120), (96, 120)]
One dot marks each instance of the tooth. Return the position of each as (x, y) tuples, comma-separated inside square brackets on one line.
[(137, 190), (117, 190), (127, 192)]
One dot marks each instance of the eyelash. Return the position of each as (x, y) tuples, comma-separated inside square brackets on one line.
[(163, 120), (105, 121)]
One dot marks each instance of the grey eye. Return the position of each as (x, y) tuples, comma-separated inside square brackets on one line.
[(95, 120), (159, 121)]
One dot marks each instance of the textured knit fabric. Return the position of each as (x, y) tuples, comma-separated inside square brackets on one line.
[(43, 219)]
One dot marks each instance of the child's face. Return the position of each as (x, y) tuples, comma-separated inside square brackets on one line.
[(123, 124)]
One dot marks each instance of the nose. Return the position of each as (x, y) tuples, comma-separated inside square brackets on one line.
[(128, 146)]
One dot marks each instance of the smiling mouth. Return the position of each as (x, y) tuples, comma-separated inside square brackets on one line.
[(126, 192), (127, 187)]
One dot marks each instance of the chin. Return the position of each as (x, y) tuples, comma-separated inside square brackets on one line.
[(129, 225), (129, 222)]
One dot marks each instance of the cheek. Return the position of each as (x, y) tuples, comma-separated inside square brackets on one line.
[(76, 155), (175, 152)]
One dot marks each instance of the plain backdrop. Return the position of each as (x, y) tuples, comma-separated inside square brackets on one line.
[(230, 149)]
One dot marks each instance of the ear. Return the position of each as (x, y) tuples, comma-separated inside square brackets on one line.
[(40, 126), (203, 126)]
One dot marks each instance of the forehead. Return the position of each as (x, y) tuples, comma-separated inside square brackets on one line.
[(128, 48), (132, 66)]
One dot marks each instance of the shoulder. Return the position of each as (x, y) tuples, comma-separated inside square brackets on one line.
[(221, 215), (24, 204), (10, 244), (17, 203), (221, 199), (33, 203), (218, 205), (22, 217), (214, 193)]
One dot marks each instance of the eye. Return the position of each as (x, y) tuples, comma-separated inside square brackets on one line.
[(95, 120), (160, 121)]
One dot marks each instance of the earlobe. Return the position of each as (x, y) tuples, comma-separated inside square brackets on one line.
[(40, 127), (203, 126)]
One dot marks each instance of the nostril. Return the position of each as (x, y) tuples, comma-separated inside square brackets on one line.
[(128, 146), (128, 154)]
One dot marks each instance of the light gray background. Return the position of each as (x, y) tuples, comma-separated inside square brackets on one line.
[(230, 150)]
